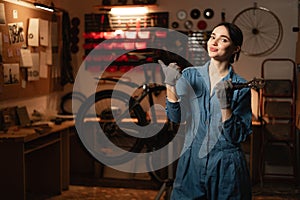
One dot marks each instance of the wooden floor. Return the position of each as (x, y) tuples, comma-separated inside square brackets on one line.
[(268, 192)]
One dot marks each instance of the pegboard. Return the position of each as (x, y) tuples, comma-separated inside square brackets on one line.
[(18, 14)]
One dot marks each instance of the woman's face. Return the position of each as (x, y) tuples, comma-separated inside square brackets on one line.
[(219, 46)]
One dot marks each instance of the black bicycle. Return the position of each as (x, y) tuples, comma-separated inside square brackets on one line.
[(113, 122)]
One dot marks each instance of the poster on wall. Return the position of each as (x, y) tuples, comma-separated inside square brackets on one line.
[(16, 32), (11, 73)]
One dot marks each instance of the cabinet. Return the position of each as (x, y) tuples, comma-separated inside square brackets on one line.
[(34, 164)]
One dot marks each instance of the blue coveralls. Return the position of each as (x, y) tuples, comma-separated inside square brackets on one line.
[(212, 165)]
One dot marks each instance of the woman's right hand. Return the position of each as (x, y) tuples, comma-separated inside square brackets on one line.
[(171, 72)]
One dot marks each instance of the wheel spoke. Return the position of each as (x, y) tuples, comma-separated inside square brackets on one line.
[(262, 30), (98, 128)]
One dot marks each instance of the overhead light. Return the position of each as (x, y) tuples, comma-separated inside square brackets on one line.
[(21, 3), (129, 11), (43, 7)]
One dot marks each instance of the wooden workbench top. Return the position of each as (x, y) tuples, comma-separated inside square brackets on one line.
[(26, 134)]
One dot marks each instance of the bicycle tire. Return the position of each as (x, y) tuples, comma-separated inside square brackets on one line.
[(159, 175), (105, 106), (163, 138), (68, 100), (262, 30)]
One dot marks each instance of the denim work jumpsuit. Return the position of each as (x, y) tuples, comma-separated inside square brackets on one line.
[(212, 165)]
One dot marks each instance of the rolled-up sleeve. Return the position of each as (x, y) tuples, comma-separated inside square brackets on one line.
[(176, 111), (173, 111)]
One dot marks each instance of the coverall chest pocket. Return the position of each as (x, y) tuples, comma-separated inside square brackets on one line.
[(198, 91)]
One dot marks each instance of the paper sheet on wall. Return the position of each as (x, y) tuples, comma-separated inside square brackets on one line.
[(43, 65), (43, 28), (33, 72), (33, 32), (26, 58)]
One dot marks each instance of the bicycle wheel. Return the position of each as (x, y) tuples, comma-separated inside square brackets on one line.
[(104, 131), (71, 102), (262, 31), (160, 175), (164, 137)]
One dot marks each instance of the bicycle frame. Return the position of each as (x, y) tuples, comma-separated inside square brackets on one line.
[(148, 90)]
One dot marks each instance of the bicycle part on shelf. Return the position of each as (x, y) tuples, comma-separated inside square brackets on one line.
[(75, 21), (188, 24), (256, 83), (195, 13), (201, 25), (208, 13), (262, 30), (175, 25), (181, 14)]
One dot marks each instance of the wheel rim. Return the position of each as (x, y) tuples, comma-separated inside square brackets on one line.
[(262, 31), (100, 134)]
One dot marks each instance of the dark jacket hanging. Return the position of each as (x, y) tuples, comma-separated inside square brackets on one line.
[(66, 69)]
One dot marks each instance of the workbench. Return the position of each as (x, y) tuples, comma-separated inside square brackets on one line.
[(34, 162)]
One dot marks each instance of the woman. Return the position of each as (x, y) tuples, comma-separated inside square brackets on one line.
[(217, 119)]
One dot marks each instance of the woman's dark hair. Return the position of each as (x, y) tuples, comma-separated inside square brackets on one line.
[(236, 35)]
